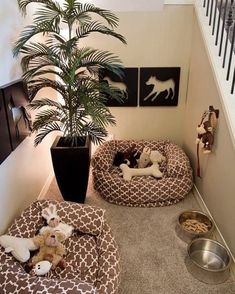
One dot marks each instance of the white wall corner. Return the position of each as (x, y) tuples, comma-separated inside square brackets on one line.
[(217, 235), (46, 186)]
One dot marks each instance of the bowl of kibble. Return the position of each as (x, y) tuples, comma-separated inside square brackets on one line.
[(192, 224)]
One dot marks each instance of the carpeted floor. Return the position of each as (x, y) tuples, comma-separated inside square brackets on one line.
[(152, 256)]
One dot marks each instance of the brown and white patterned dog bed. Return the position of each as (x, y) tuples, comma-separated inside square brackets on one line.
[(92, 260), (142, 191)]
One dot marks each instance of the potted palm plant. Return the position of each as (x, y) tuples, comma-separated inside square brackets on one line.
[(60, 62)]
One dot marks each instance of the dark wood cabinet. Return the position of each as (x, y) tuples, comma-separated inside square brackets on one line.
[(15, 121), (5, 143)]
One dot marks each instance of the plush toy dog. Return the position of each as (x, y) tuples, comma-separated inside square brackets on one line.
[(19, 247), (149, 156), (156, 156), (50, 247), (129, 157)]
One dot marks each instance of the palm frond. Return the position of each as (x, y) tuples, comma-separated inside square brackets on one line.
[(85, 29), (85, 9), (36, 85), (95, 133), (106, 91), (45, 16), (46, 116), (29, 32), (36, 104), (50, 127), (90, 58), (37, 57), (24, 3), (30, 75), (61, 45), (49, 71), (101, 116)]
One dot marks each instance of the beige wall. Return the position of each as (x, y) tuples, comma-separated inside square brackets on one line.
[(24, 173), (10, 22), (155, 39), (217, 185)]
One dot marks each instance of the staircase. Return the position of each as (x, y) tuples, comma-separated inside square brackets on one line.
[(216, 19)]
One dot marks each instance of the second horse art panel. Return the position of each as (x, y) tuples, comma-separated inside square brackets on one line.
[(127, 85), (159, 86)]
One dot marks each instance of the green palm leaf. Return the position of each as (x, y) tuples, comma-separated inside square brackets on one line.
[(30, 32), (46, 116), (36, 85), (24, 3), (85, 9), (96, 27), (96, 133), (50, 127), (36, 104)]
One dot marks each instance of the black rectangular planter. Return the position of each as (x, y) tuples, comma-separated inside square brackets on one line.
[(71, 167)]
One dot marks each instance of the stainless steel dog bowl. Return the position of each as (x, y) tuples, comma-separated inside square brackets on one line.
[(188, 236), (208, 261)]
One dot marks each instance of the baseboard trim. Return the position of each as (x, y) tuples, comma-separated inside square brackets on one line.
[(46, 186), (217, 235)]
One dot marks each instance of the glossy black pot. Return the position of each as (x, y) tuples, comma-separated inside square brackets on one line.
[(71, 168)]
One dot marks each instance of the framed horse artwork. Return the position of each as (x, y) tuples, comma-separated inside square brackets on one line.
[(159, 86), (127, 85)]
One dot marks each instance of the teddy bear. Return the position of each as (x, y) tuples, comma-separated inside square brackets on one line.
[(50, 248)]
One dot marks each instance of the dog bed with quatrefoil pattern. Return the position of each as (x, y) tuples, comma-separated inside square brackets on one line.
[(92, 260), (142, 191)]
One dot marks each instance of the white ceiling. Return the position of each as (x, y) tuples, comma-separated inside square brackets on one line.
[(128, 5)]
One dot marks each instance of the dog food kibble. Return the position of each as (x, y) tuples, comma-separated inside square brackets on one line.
[(193, 225)]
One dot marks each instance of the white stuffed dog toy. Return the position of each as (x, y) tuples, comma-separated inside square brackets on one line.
[(149, 156), (19, 247)]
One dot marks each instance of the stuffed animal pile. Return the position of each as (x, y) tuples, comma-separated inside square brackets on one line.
[(49, 243), (134, 164)]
